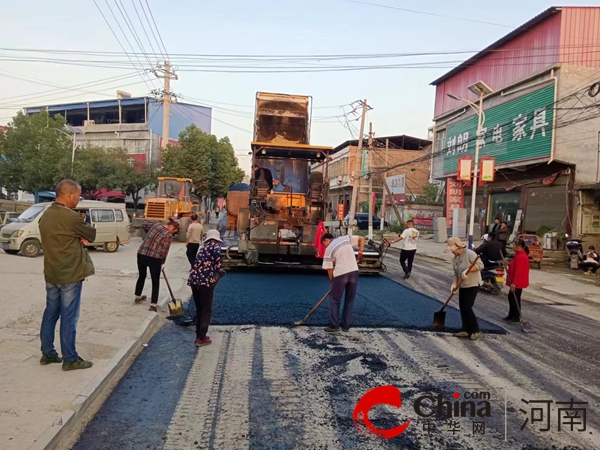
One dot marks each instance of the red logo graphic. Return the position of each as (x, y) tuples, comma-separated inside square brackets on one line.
[(383, 395)]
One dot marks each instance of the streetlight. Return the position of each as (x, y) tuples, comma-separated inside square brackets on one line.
[(69, 129), (481, 90)]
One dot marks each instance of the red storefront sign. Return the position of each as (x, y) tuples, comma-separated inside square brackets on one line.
[(423, 222), (455, 198), (395, 199)]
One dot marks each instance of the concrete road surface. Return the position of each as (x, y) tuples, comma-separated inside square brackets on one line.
[(269, 387)]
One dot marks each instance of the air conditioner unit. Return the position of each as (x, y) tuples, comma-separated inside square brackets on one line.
[(89, 122)]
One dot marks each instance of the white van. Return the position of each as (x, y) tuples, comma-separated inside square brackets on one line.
[(109, 219)]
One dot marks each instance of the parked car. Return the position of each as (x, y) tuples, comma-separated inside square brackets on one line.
[(110, 220), (362, 221), (7, 217)]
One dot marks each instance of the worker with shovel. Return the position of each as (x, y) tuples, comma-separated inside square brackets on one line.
[(342, 267), (467, 292)]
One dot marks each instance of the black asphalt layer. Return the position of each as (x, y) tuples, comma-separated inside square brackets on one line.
[(281, 300), (139, 410)]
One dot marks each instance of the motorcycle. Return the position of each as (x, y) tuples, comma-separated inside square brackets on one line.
[(493, 277), (575, 250)]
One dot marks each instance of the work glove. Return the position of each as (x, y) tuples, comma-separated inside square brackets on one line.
[(465, 274)]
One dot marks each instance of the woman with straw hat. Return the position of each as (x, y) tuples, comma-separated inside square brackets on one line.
[(471, 280), (203, 280)]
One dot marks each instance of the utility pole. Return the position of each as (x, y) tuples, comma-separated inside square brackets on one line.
[(167, 73), (370, 181), (357, 176), (382, 218)]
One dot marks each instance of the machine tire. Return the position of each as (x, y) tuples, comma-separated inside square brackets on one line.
[(143, 233), (31, 248), (111, 247), (184, 224), (11, 252)]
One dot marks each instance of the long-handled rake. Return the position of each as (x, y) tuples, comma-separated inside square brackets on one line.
[(525, 326), (310, 313)]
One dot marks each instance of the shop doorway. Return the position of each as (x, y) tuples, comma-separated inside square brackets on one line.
[(505, 206)]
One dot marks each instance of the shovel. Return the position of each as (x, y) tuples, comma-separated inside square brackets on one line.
[(439, 318), (310, 313), (175, 305)]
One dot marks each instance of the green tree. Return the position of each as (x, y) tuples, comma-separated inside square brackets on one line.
[(134, 178), (97, 167), (35, 153), (430, 192), (209, 162)]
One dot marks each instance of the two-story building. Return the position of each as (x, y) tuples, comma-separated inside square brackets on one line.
[(134, 124), (388, 152), (541, 125)]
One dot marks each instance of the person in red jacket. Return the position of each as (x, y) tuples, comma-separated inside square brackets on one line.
[(518, 277)]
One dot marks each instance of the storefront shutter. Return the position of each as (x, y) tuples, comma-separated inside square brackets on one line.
[(546, 206)]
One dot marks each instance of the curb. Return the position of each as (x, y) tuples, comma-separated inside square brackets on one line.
[(65, 430), (396, 251)]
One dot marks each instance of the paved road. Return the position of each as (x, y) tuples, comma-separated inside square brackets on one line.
[(263, 386)]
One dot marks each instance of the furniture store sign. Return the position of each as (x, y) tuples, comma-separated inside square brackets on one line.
[(519, 130)]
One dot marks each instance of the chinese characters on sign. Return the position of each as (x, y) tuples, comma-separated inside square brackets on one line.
[(455, 198), (572, 417), (397, 185), (517, 130)]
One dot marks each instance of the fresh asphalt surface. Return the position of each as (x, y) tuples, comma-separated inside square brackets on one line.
[(281, 299), (145, 410)]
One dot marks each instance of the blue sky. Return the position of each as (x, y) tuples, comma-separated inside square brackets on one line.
[(402, 98)]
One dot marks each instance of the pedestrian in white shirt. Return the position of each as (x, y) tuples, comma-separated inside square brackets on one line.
[(407, 254), (341, 265)]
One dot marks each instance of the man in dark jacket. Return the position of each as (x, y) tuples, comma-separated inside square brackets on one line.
[(67, 264), (503, 234), (491, 250)]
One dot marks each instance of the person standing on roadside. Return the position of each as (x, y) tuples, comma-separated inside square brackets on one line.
[(203, 280), (496, 226), (518, 277), (152, 255), (342, 268), (503, 234), (194, 234), (407, 254), (67, 264), (471, 280)]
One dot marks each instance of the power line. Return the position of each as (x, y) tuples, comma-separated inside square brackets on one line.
[(129, 23), (142, 24), (157, 30), (59, 87), (117, 38), (162, 54), (428, 13)]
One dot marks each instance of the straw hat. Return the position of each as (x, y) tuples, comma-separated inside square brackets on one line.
[(213, 234), (453, 244)]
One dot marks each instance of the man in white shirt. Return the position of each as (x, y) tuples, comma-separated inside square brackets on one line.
[(193, 236), (342, 267), (407, 254)]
